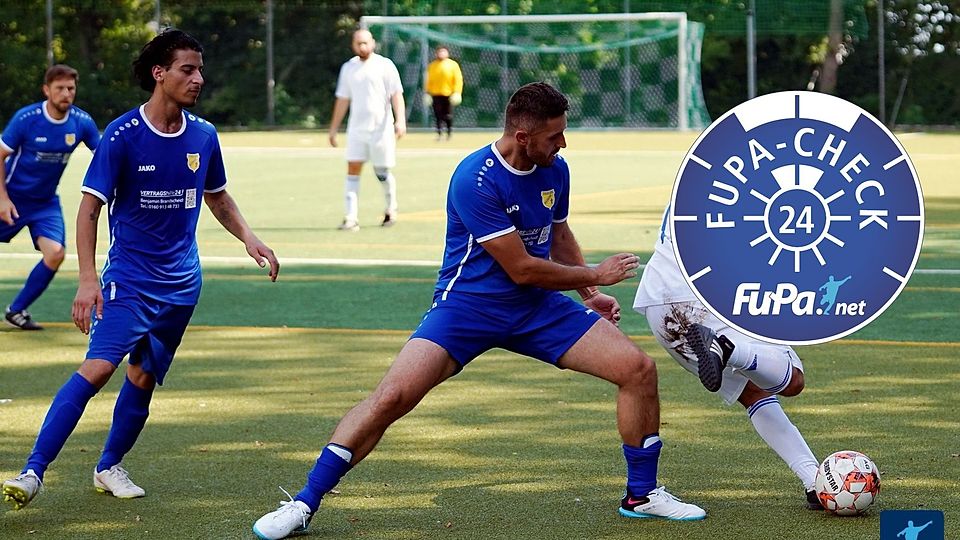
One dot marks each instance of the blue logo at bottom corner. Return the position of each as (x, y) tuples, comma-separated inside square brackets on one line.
[(911, 525)]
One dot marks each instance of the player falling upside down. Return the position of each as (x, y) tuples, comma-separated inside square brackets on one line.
[(509, 251), (737, 366), (153, 166)]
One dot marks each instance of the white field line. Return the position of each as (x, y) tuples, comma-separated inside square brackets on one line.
[(327, 151), (307, 261)]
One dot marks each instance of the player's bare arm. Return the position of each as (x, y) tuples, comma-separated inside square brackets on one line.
[(227, 212), (89, 296), (400, 114), (566, 250), (525, 269), (8, 212), (340, 107)]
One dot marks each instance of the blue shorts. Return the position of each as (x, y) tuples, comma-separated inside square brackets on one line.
[(148, 330), (467, 325), (42, 218)]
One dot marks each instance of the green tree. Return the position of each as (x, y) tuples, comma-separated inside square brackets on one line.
[(99, 39)]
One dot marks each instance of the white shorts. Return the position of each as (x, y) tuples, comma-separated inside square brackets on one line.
[(379, 148), (669, 322)]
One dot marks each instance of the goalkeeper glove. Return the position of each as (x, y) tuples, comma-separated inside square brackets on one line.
[(456, 99), (427, 100)]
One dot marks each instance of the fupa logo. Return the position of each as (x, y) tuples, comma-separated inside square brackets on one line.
[(797, 218)]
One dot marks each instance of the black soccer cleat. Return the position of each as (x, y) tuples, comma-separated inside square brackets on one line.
[(389, 220), (813, 501), (21, 319), (712, 352)]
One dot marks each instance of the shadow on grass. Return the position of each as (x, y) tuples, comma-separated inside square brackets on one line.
[(510, 448)]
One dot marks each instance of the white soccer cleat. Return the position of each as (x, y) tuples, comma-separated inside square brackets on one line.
[(659, 503), (22, 489), (116, 481), (350, 225), (291, 517)]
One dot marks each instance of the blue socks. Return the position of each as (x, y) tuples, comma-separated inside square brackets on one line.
[(129, 416), (61, 420), (642, 465), (37, 282), (333, 463)]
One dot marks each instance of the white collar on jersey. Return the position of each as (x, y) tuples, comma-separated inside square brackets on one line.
[(52, 120), (510, 168), (183, 123)]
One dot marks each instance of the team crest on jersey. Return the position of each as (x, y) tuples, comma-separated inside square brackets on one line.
[(548, 198), (193, 162), (70, 139)]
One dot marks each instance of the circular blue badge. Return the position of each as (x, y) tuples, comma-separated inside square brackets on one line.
[(797, 218)]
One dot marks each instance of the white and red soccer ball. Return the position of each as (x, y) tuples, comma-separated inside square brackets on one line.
[(847, 483)]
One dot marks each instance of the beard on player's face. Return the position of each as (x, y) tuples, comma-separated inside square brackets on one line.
[(60, 94)]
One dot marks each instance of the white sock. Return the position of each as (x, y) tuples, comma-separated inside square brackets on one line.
[(784, 438), (768, 366), (390, 193), (352, 189)]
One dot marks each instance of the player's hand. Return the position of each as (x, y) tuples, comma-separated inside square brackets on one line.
[(617, 268), (605, 305), (89, 300), (427, 100), (456, 99), (8, 212), (400, 128), (264, 255), (332, 137)]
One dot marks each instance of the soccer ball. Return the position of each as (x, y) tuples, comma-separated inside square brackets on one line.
[(847, 483)]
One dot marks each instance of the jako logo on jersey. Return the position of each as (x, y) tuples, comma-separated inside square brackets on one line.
[(40, 139), (193, 162), (514, 208), (146, 168), (787, 200)]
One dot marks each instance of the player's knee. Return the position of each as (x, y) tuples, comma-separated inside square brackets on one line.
[(391, 402), (751, 394), (140, 378), (382, 173), (96, 372), (796, 384), (54, 258), (642, 372)]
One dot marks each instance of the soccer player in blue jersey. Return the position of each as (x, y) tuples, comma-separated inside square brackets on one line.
[(34, 151), (153, 164), (509, 251)]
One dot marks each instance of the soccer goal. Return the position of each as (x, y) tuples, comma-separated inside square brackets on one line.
[(624, 70)]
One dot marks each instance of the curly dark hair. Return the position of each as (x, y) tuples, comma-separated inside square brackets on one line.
[(532, 105), (160, 52)]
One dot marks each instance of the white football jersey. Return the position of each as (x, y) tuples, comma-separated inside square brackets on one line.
[(662, 280), (369, 86)]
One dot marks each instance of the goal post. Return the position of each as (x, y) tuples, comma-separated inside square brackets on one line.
[(619, 70)]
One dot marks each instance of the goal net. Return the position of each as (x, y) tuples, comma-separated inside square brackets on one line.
[(629, 70)]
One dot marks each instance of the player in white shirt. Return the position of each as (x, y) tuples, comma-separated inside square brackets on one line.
[(369, 86), (738, 367)]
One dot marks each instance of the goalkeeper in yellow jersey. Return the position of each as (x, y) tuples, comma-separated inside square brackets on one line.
[(444, 89)]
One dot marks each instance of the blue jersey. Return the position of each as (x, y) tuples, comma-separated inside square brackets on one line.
[(40, 148), (488, 198), (153, 183)]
